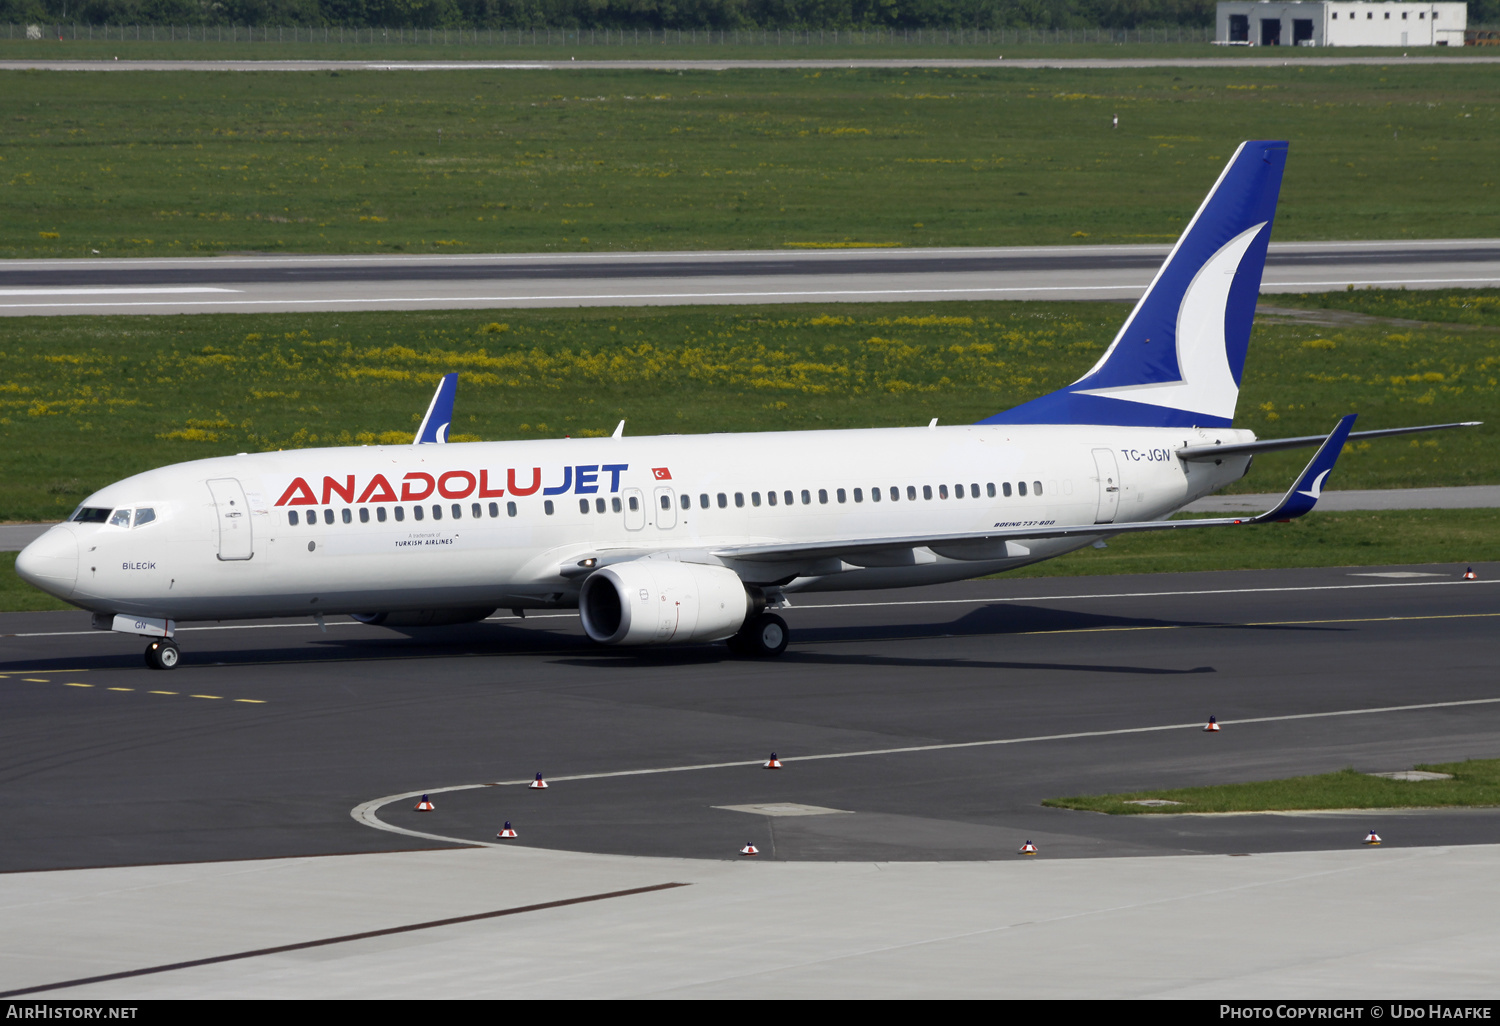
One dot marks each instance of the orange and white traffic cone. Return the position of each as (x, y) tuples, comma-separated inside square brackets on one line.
[(1213, 726), (507, 832), (537, 784), (749, 849), (1470, 575), (425, 805), (1372, 838), (1027, 849), (773, 763)]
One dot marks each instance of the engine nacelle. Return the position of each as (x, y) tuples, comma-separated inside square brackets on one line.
[(422, 617), (658, 602)]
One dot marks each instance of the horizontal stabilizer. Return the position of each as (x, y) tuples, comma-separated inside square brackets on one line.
[(1201, 453), (439, 413)]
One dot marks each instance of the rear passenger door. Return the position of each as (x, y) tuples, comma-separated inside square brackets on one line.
[(635, 509)]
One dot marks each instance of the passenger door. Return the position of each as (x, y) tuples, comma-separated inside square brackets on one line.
[(666, 509), (1109, 485), (235, 541)]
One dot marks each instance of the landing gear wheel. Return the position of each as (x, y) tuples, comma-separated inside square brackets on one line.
[(163, 654), (762, 637)]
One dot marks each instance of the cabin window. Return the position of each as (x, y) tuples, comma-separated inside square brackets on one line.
[(614, 503), (547, 507), (400, 514), (755, 498), (807, 497), (380, 513), (583, 505), (634, 504), (90, 515), (823, 496), (494, 510), (666, 502), (477, 511), (911, 493), (510, 509), (599, 505), (328, 516), (1036, 487), (416, 513), (687, 502), (1006, 487), (144, 516), (942, 491), (364, 514), (874, 494), (973, 491), (723, 500), (958, 491), (703, 500), (291, 518), (120, 519), (840, 495), (787, 497), (437, 512), (1020, 487), (859, 495), (771, 498), (927, 491), (458, 511), (739, 500), (990, 489)]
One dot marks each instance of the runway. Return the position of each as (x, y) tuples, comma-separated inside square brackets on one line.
[(243, 284), (972, 702), (520, 63)]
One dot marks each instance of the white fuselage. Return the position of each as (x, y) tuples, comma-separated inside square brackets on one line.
[(231, 549)]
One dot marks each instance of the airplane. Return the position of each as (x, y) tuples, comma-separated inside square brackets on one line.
[(693, 539)]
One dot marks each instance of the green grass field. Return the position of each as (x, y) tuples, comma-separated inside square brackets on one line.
[(1441, 306), (1475, 782), (88, 400), (169, 163)]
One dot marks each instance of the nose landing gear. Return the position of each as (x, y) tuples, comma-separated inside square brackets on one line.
[(163, 654)]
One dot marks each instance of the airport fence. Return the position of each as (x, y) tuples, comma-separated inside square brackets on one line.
[(606, 37)]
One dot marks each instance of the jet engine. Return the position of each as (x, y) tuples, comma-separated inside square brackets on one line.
[(658, 602), (423, 617)]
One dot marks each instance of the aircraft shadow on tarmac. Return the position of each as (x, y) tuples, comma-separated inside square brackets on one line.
[(500, 639)]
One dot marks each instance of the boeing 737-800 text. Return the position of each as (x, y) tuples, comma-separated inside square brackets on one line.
[(697, 538)]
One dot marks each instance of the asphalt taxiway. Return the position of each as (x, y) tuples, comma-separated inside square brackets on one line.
[(107, 285), (934, 722), (249, 817)]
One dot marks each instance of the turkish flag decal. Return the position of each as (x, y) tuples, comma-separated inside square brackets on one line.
[(662, 473)]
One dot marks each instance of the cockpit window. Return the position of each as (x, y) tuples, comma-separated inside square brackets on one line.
[(144, 515), (90, 515), (120, 519)]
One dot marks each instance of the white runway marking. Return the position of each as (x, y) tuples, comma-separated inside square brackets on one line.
[(117, 291), (984, 600), (367, 813)]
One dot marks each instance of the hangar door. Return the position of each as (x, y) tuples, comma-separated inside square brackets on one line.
[(234, 519)]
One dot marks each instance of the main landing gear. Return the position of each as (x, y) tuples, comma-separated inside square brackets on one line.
[(163, 654), (763, 636)]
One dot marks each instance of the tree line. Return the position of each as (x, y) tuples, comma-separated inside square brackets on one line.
[(641, 14)]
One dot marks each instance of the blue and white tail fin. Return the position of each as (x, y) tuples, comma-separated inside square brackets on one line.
[(1179, 358), (439, 413)]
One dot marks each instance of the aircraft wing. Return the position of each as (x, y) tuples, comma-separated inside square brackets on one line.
[(1203, 453), (981, 545)]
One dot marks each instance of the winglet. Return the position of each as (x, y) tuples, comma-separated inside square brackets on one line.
[(439, 414), (1304, 495)]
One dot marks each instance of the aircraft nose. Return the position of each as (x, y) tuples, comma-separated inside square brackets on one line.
[(51, 562)]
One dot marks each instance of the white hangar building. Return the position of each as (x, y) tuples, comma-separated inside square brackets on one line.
[(1335, 23)]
